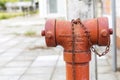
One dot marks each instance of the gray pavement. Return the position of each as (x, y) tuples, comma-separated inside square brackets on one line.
[(27, 57)]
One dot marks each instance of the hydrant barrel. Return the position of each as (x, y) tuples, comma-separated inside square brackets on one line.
[(77, 38)]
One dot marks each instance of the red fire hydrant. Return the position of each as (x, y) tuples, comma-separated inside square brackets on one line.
[(77, 38)]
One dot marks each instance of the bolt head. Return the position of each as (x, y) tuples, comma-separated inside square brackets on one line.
[(104, 33), (49, 34)]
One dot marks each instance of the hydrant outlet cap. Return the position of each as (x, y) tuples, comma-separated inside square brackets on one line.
[(110, 31)]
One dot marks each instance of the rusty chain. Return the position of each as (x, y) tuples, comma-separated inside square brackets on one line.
[(73, 50), (90, 42), (78, 21)]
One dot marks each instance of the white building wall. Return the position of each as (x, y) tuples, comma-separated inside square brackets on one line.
[(62, 11), (44, 12), (43, 8)]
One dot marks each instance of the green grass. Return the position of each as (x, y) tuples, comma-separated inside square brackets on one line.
[(4, 15), (30, 33)]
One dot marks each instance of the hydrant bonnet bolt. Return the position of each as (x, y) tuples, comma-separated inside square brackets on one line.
[(49, 35), (104, 33)]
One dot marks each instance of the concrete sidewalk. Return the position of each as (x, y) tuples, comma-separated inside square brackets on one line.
[(27, 58)]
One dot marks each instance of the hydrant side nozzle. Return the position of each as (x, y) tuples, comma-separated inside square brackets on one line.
[(103, 31), (50, 32)]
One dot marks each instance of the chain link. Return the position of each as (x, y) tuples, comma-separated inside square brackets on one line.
[(78, 21), (73, 49)]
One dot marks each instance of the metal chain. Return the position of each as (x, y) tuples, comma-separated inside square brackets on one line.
[(89, 40), (73, 50), (78, 21)]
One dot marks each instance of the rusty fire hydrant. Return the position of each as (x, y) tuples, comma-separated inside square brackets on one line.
[(77, 38)]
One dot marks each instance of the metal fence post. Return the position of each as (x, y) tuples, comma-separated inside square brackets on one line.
[(114, 54)]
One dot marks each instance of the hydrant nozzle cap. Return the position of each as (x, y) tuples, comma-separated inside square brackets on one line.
[(110, 31), (43, 33)]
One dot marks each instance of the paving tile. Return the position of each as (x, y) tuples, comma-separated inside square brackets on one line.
[(61, 70), (39, 71), (109, 76), (59, 77), (24, 58), (9, 77), (8, 45), (18, 64), (12, 71), (23, 45), (35, 77), (13, 42), (44, 61), (48, 51), (4, 39), (104, 69), (29, 39), (8, 56), (29, 53), (5, 60), (11, 53)]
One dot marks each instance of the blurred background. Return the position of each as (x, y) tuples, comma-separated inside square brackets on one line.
[(23, 52)]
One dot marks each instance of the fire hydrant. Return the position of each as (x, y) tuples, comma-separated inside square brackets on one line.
[(77, 38)]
